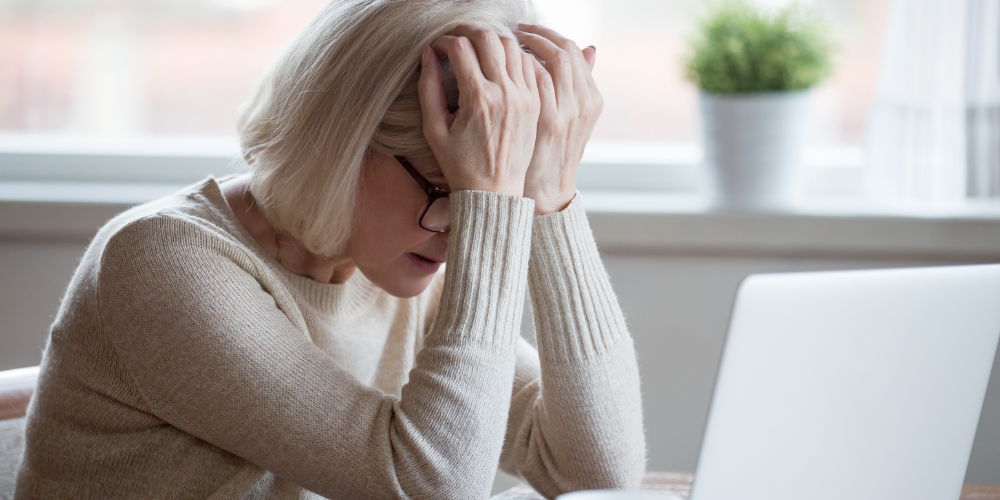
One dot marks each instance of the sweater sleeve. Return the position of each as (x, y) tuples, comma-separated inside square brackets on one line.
[(212, 354), (576, 413)]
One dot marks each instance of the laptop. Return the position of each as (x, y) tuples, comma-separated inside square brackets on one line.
[(851, 385)]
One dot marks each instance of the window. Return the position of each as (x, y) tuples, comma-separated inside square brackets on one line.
[(641, 44), (133, 68), (169, 68)]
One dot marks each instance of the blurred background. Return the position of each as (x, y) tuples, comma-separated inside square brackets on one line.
[(126, 68)]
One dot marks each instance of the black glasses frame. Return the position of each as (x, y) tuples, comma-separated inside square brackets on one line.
[(433, 193)]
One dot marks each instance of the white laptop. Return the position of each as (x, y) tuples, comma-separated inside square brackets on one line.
[(851, 385)]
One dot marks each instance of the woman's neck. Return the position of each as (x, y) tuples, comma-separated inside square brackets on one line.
[(288, 251)]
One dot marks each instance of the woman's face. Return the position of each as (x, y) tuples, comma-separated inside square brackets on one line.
[(387, 243)]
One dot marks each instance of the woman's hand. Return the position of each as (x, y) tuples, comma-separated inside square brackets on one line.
[(570, 106), (487, 143)]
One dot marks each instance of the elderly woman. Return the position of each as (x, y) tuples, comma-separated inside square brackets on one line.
[(291, 333)]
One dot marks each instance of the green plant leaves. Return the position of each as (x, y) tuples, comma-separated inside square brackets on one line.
[(743, 49)]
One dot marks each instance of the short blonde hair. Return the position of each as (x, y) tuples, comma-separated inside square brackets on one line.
[(344, 87)]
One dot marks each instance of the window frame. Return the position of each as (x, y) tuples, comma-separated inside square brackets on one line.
[(664, 168)]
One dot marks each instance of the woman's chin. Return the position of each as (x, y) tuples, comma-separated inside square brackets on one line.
[(403, 278), (405, 287)]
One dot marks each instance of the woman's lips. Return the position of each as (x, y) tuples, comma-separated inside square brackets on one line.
[(426, 265)]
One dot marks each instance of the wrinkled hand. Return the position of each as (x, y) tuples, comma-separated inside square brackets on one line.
[(570, 106), (486, 144)]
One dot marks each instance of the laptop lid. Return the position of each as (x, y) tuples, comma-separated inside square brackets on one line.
[(851, 385)]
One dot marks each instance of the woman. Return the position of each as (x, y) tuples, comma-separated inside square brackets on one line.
[(288, 334)]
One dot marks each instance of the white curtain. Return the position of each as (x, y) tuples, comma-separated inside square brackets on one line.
[(934, 130)]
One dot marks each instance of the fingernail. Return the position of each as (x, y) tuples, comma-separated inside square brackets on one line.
[(592, 47), (423, 57)]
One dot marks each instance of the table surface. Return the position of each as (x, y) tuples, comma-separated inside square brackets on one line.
[(679, 484)]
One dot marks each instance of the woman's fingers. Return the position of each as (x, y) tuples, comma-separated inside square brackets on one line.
[(549, 106), (490, 51), (547, 33), (465, 65), (528, 63), (581, 69), (515, 61), (557, 62), (590, 54), (433, 105)]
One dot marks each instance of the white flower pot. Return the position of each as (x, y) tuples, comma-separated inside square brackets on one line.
[(753, 146)]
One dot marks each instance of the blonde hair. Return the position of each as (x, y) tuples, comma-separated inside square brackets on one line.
[(346, 86)]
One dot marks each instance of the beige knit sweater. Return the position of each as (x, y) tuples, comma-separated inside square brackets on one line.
[(185, 363)]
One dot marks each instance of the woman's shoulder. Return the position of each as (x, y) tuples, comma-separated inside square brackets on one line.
[(185, 234), (195, 216)]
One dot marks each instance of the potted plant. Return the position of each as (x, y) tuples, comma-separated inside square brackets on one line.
[(754, 68)]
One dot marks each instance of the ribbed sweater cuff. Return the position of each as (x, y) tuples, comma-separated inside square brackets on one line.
[(486, 276), (577, 314)]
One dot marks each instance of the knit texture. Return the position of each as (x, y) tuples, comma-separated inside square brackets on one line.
[(184, 362), (11, 444)]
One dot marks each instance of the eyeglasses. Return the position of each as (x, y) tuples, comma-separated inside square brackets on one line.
[(436, 215)]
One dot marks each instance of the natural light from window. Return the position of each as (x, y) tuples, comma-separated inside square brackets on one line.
[(131, 70), (181, 67)]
